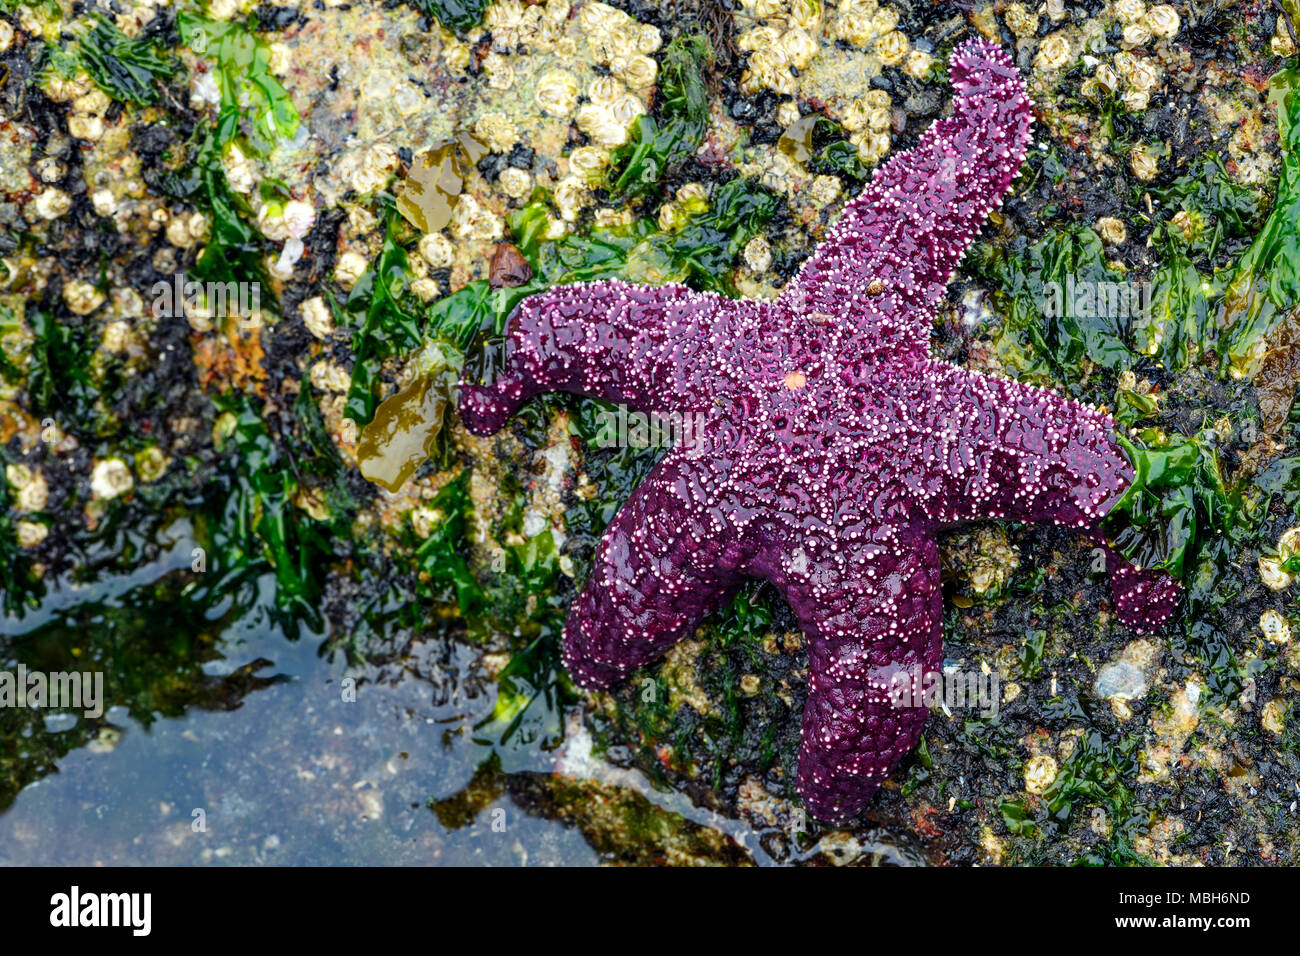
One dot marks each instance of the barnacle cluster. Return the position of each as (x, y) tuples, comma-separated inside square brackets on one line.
[(803, 48)]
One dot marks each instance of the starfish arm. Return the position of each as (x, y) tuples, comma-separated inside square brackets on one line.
[(905, 233), (1002, 449), (873, 616), (1144, 599), (611, 340), (664, 564)]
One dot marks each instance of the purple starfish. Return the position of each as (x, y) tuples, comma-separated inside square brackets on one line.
[(833, 448)]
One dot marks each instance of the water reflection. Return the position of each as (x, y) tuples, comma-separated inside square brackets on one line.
[(306, 771), (225, 741)]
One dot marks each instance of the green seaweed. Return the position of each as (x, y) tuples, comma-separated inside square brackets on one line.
[(1063, 303), (391, 320), (701, 253), (822, 145), (1030, 662), (1206, 638), (1017, 818), (1177, 501), (1096, 773), (235, 251), (1223, 213), (122, 67), (59, 375), (1180, 515), (383, 322), (1210, 217), (458, 15), (443, 571), (256, 524), (519, 597), (243, 71), (704, 250), (1266, 282), (836, 155), (656, 147), (1176, 328), (475, 307), (11, 328), (1132, 407), (522, 598)]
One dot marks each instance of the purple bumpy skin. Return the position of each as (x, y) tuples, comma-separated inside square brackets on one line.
[(832, 449)]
